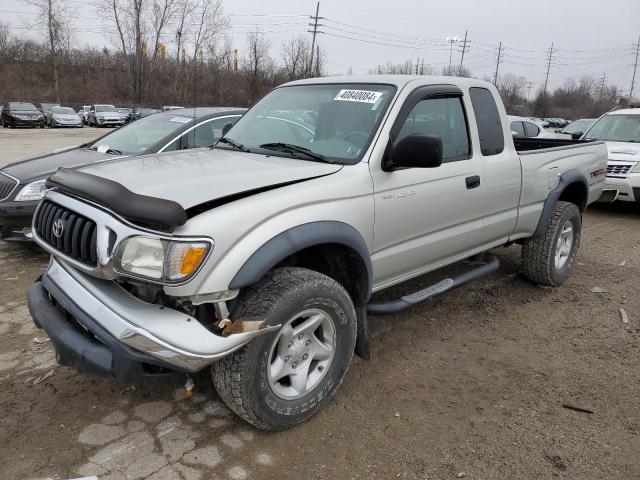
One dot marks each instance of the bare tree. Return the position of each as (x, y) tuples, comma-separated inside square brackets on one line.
[(295, 55), (257, 65), (53, 15), (129, 19), (163, 11), (207, 23), (511, 90)]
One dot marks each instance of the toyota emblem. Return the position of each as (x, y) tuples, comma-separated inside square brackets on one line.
[(58, 228)]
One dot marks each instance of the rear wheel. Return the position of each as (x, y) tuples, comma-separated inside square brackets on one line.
[(281, 379), (548, 258)]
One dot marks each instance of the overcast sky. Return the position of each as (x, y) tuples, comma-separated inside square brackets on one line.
[(590, 36)]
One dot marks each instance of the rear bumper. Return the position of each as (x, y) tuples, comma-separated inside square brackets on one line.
[(14, 218), (97, 327), (628, 187)]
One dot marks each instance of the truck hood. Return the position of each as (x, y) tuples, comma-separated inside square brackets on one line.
[(194, 177), (45, 165), (624, 151)]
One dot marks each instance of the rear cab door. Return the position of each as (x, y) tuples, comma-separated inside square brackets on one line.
[(501, 165)]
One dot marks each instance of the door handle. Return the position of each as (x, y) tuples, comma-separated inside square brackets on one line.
[(473, 182)]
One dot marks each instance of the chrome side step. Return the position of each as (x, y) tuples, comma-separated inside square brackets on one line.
[(442, 286)]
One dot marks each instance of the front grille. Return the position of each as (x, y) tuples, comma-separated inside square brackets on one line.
[(78, 237), (7, 184), (613, 170)]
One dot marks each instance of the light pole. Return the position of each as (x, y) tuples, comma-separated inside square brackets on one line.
[(451, 41)]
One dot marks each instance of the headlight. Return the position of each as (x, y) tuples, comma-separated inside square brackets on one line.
[(636, 169), (160, 260), (32, 191)]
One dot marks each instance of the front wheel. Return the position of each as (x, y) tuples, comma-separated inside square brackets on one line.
[(283, 378), (548, 258)]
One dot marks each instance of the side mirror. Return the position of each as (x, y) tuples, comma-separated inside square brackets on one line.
[(514, 134), (417, 151), (576, 136), (226, 128)]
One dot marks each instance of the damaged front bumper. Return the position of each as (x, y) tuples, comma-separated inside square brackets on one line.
[(98, 327)]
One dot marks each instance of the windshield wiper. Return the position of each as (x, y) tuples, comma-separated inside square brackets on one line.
[(228, 141), (292, 149)]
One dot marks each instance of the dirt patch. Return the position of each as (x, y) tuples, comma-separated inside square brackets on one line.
[(469, 385)]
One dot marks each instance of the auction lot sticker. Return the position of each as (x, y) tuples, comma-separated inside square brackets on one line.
[(364, 96)]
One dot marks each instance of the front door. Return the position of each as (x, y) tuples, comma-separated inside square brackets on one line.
[(425, 216)]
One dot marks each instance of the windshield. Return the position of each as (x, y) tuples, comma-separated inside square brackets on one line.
[(124, 110), (63, 110), (105, 108), (577, 126), (616, 128), (138, 136), (335, 121), (25, 107)]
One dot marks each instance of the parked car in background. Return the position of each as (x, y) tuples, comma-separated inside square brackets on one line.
[(525, 127), (21, 114), (64, 117), (620, 129), (141, 112), (575, 129), (167, 108), (84, 114), (105, 116), (22, 183), (126, 114), (45, 108)]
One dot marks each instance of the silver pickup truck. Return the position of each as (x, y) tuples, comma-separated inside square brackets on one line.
[(258, 257)]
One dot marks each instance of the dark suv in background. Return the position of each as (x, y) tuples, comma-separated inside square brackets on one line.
[(21, 114)]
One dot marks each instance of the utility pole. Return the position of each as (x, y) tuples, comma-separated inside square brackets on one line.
[(635, 67), (451, 41), (464, 49), (315, 26), (317, 60), (546, 80), (529, 85), (495, 75), (603, 79)]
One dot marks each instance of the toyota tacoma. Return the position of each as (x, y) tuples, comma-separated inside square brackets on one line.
[(257, 258)]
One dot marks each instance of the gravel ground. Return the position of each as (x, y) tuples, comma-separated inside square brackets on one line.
[(470, 385)]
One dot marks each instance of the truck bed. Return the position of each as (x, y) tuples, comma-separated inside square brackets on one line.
[(526, 144)]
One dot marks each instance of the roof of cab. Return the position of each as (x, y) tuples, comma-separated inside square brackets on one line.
[(399, 81), (625, 111)]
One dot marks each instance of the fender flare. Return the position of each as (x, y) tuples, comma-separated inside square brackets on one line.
[(298, 238), (567, 178)]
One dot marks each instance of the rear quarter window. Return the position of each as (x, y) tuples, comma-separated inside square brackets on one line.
[(488, 121)]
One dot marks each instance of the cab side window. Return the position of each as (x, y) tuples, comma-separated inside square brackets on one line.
[(207, 133), (442, 117), (488, 121)]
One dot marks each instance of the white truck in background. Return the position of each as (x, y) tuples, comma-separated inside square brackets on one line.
[(258, 257), (620, 128)]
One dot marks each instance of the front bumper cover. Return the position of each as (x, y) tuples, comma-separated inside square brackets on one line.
[(98, 327)]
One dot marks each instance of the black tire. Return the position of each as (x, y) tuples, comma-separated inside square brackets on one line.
[(241, 378), (539, 253)]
